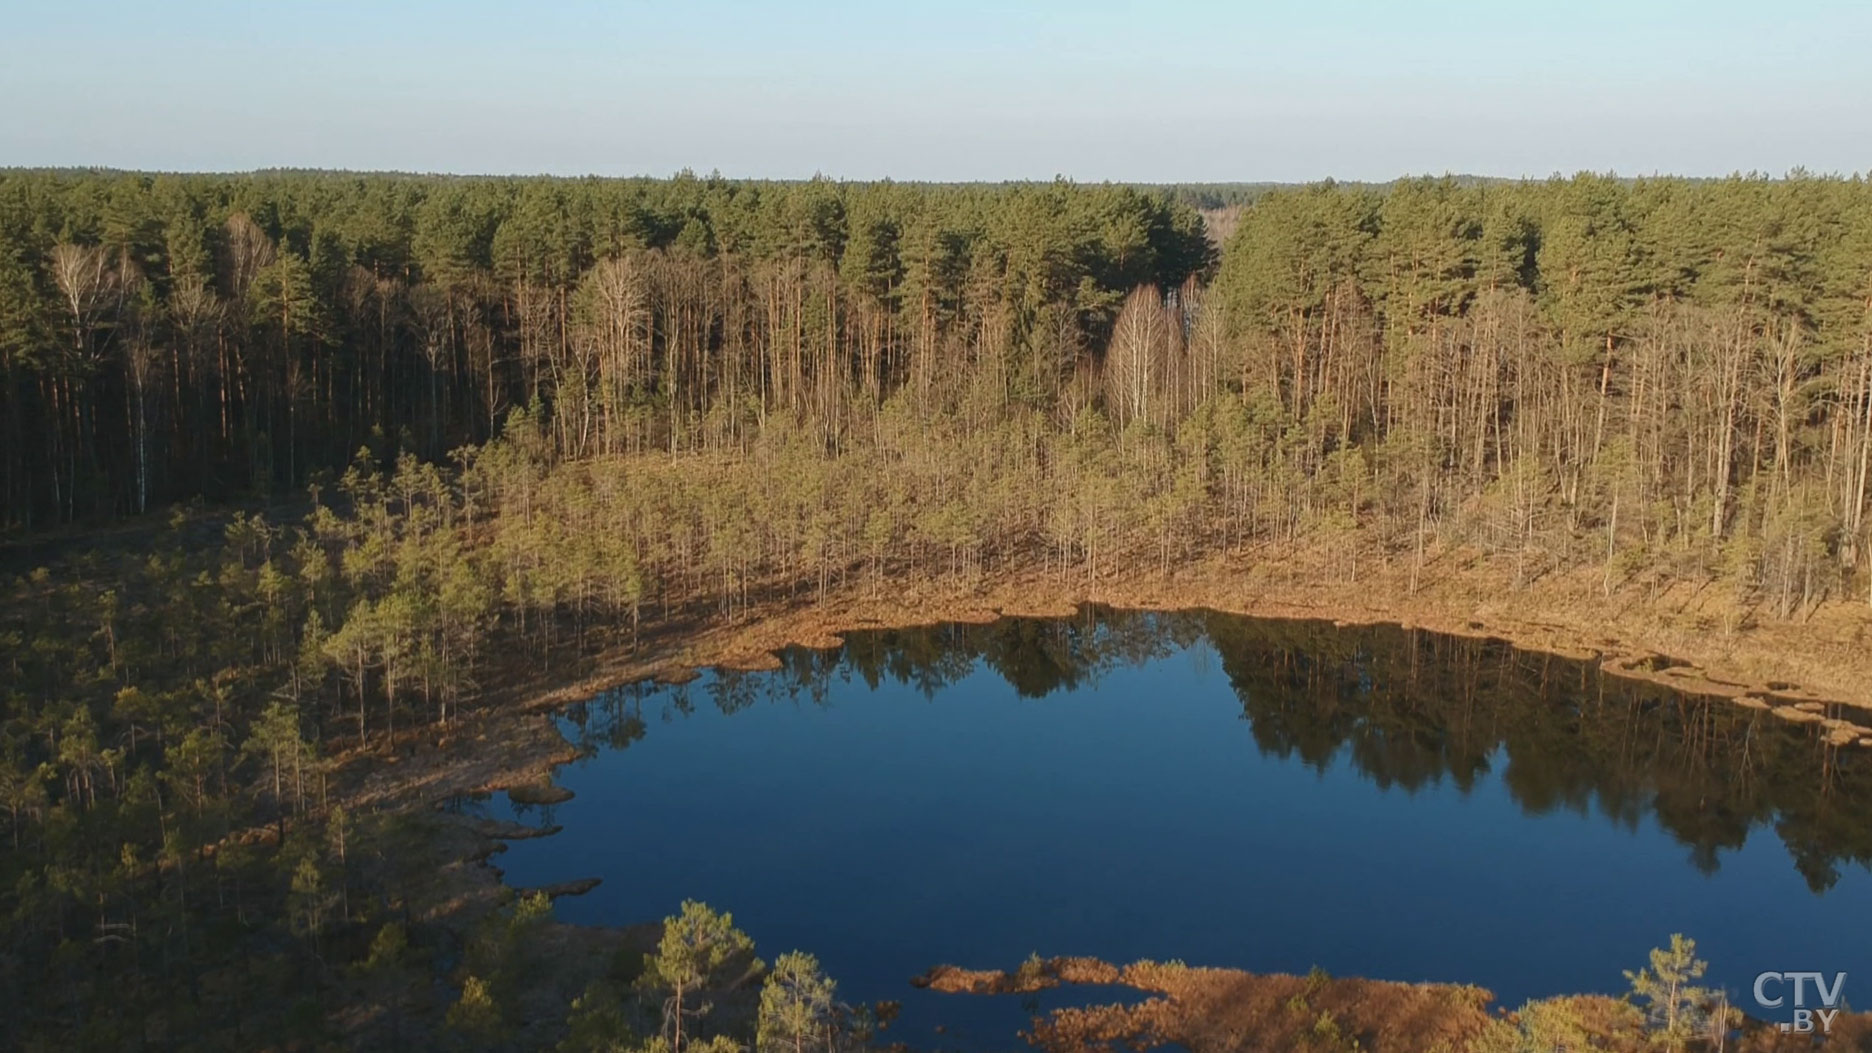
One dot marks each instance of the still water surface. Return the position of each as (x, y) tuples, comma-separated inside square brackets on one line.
[(1267, 795)]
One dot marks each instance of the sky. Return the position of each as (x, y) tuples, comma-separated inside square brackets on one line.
[(1171, 91)]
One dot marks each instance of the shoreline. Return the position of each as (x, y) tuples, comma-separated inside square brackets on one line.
[(1675, 638), (1688, 638)]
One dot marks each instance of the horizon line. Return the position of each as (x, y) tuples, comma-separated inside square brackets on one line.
[(1798, 172)]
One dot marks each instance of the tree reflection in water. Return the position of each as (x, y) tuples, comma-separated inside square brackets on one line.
[(1405, 707)]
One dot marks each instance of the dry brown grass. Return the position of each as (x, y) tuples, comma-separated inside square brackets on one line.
[(1206, 1010), (1228, 1011)]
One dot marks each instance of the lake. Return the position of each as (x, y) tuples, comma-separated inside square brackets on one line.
[(1259, 794)]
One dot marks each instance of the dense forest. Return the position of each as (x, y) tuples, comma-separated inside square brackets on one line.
[(366, 434), (1680, 369), (173, 336)]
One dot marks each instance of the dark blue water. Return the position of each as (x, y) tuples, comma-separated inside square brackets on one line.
[(1262, 795)]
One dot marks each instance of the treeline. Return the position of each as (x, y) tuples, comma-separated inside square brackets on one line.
[(1683, 369), (1680, 369), (168, 336)]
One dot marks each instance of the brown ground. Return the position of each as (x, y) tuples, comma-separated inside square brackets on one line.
[(1205, 1010), (1695, 637), (1228, 1011)]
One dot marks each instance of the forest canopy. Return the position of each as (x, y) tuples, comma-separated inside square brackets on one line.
[(1628, 343), (168, 336)]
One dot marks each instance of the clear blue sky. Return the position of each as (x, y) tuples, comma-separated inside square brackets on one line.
[(1174, 90)]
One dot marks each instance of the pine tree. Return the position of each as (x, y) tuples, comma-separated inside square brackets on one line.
[(796, 1006), (1674, 1006), (700, 950)]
